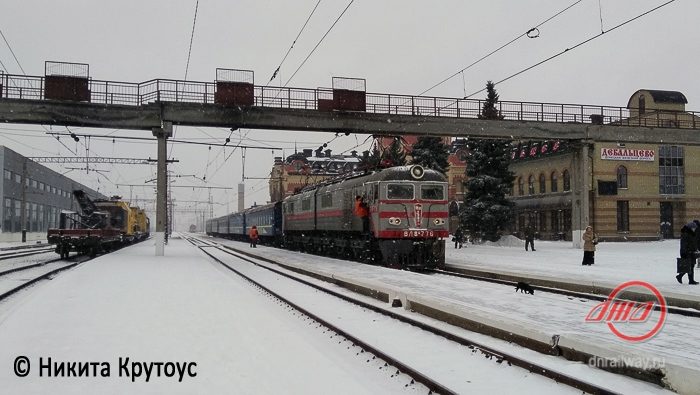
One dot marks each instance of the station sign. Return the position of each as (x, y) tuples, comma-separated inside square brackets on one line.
[(644, 155)]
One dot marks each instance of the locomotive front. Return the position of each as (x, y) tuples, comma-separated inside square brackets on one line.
[(411, 218)]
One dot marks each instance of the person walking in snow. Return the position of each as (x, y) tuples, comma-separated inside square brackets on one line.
[(689, 246), (530, 237), (590, 239), (458, 237), (253, 234)]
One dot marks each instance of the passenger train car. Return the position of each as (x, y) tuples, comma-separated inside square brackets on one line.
[(408, 219)]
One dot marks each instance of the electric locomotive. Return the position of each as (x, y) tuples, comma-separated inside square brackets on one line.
[(408, 218)]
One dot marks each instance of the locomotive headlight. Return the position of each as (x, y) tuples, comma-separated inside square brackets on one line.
[(417, 172), (439, 221), (394, 221)]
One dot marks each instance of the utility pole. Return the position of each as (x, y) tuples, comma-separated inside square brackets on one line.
[(23, 206), (161, 135)]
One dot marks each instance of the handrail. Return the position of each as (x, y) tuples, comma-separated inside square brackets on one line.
[(203, 92)]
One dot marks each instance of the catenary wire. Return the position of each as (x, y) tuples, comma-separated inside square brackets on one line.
[(575, 46)]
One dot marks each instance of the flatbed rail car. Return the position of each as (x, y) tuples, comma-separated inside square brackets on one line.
[(83, 241)]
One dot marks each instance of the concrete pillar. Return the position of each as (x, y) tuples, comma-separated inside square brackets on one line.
[(241, 197), (581, 187), (162, 135)]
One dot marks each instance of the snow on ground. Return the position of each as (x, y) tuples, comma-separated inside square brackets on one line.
[(179, 308), (539, 316), (653, 261)]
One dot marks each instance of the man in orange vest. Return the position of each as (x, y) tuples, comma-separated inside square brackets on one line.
[(362, 211), (253, 234)]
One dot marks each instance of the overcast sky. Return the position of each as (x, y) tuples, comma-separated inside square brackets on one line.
[(402, 47)]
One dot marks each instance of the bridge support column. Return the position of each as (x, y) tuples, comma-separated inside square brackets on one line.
[(581, 187), (162, 135)]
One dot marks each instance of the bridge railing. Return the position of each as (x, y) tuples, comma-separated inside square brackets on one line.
[(166, 90)]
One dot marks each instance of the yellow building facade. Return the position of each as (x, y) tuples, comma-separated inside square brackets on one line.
[(636, 191)]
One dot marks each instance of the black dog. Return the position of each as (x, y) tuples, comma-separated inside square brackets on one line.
[(524, 287)]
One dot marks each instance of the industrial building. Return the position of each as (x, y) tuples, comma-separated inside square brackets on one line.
[(42, 192)]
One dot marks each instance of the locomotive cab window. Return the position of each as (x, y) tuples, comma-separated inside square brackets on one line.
[(432, 192), (399, 191), (306, 204)]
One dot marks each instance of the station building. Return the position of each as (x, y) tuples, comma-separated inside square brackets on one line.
[(41, 191), (635, 191)]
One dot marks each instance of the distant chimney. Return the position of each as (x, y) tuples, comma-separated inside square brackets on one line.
[(365, 154), (278, 160), (319, 153), (353, 153), (328, 153), (308, 152)]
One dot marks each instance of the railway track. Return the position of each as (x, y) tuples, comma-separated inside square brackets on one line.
[(22, 253), (425, 379), (559, 291)]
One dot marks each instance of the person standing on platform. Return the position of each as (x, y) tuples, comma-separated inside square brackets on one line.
[(590, 239), (253, 234), (530, 237), (689, 246)]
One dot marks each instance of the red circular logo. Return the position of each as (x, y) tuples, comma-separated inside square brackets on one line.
[(614, 311)]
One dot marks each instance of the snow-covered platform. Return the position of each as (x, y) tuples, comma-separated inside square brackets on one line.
[(542, 316), (181, 316), (559, 264)]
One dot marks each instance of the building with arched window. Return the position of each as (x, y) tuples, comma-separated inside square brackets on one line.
[(636, 191)]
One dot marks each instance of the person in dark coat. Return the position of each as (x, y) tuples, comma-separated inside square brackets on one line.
[(458, 237), (689, 246), (590, 239), (530, 237)]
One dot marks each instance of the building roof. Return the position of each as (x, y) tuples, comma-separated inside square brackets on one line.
[(662, 96)]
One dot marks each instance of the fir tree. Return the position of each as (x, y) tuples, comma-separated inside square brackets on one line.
[(431, 153), (394, 155), (489, 110), (486, 211)]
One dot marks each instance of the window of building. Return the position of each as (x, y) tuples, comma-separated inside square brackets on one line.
[(671, 170), (543, 183), (554, 216), (17, 226), (26, 181), (622, 177), (7, 216), (567, 180), (41, 186), (543, 221), (521, 190), (18, 178), (554, 181), (531, 185), (8, 175), (35, 184), (623, 216)]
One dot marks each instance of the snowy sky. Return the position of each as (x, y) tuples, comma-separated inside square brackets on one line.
[(398, 46)]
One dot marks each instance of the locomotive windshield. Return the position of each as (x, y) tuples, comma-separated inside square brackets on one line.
[(432, 192), (399, 191)]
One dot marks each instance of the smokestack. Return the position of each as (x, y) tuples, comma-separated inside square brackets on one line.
[(308, 152), (241, 197), (328, 153)]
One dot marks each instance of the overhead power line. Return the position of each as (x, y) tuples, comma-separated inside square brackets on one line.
[(277, 70), (575, 46), (319, 43), (13, 54), (113, 137), (95, 159), (189, 52), (527, 33)]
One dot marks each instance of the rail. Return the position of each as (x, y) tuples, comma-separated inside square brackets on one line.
[(200, 92)]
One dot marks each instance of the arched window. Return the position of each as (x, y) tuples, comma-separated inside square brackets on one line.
[(543, 183), (531, 185), (521, 191), (555, 182), (567, 180), (622, 177)]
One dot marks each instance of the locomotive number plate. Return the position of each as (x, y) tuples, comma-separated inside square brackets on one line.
[(418, 233)]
